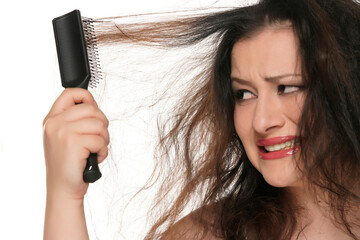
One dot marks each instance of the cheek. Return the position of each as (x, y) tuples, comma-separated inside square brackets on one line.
[(243, 121), (293, 107), (243, 117)]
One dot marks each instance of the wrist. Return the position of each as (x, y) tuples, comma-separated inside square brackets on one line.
[(62, 197), (61, 191), (64, 218)]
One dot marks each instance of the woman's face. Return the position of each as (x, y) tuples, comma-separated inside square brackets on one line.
[(267, 85)]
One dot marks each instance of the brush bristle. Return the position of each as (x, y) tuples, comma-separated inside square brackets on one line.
[(92, 51)]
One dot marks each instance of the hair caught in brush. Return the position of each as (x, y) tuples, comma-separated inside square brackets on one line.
[(199, 151)]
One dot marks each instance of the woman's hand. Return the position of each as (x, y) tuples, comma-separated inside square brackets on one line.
[(71, 132)]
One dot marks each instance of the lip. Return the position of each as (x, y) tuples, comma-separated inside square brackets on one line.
[(274, 140), (277, 154)]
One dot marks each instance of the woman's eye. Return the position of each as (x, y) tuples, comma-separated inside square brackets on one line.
[(243, 95), (287, 89)]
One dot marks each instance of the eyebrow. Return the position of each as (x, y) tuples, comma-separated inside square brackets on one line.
[(268, 79)]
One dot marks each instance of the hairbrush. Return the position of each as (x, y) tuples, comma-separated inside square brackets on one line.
[(77, 52)]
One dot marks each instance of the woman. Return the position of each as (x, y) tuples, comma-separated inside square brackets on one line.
[(277, 114)]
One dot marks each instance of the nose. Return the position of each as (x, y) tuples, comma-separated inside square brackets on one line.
[(268, 115)]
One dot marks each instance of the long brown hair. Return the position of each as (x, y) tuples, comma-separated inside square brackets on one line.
[(200, 149)]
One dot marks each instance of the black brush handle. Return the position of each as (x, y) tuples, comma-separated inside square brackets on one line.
[(92, 171), (74, 68)]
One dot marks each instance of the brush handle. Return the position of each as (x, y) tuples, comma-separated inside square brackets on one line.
[(92, 171), (74, 68)]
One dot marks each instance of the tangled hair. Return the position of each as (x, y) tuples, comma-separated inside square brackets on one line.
[(207, 156)]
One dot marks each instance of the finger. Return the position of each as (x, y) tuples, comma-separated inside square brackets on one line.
[(90, 126), (82, 111), (68, 98), (102, 154), (92, 144)]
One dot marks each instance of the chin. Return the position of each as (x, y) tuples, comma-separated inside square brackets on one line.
[(278, 173), (281, 180)]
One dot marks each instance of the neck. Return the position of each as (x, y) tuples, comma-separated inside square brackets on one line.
[(316, 220)]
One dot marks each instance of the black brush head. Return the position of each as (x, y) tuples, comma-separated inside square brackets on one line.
[(71, 50)]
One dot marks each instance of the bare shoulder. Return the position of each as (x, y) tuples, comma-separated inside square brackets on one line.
[(198, 225)]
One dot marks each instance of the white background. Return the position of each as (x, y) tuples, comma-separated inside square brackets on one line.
[(29, 85)]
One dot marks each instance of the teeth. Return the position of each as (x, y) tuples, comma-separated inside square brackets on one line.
[(281, 146)]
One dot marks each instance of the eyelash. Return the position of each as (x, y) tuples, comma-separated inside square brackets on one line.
[(239, 94)]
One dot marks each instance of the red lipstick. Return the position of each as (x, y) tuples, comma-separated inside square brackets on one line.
[(275, 140), (265, 155)]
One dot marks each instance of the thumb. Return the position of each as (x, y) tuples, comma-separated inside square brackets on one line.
[(68, 98)]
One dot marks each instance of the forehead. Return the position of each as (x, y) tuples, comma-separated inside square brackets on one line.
[(270, 51)]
